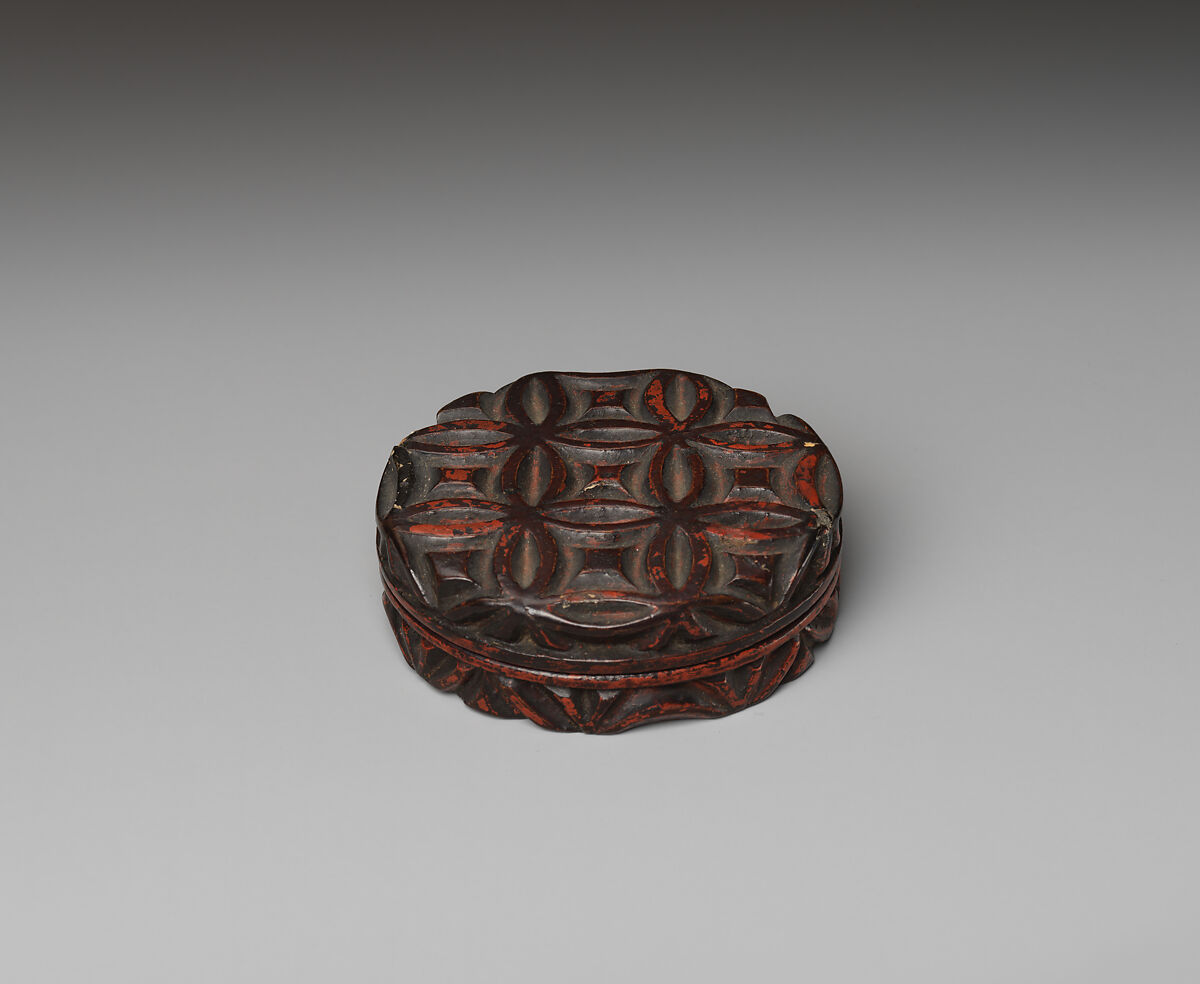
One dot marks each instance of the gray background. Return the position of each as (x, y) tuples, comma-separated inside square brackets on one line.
[(245, 252)]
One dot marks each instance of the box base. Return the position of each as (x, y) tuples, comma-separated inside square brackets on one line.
[(614, 704)]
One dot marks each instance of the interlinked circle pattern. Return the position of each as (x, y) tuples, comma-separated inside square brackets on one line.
[(611, 517)]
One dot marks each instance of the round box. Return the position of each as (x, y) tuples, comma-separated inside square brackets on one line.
[(598, 551)]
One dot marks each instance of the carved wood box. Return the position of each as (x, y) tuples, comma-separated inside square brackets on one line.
[(598, 551)]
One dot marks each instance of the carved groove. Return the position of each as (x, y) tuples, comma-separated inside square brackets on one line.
[(599, 711)]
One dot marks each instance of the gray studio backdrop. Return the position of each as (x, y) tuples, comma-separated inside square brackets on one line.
[(241, 257)]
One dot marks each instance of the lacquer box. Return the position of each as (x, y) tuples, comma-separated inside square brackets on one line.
[(598, 551)]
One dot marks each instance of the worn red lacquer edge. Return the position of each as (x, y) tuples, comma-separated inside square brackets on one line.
[(476, 655)]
